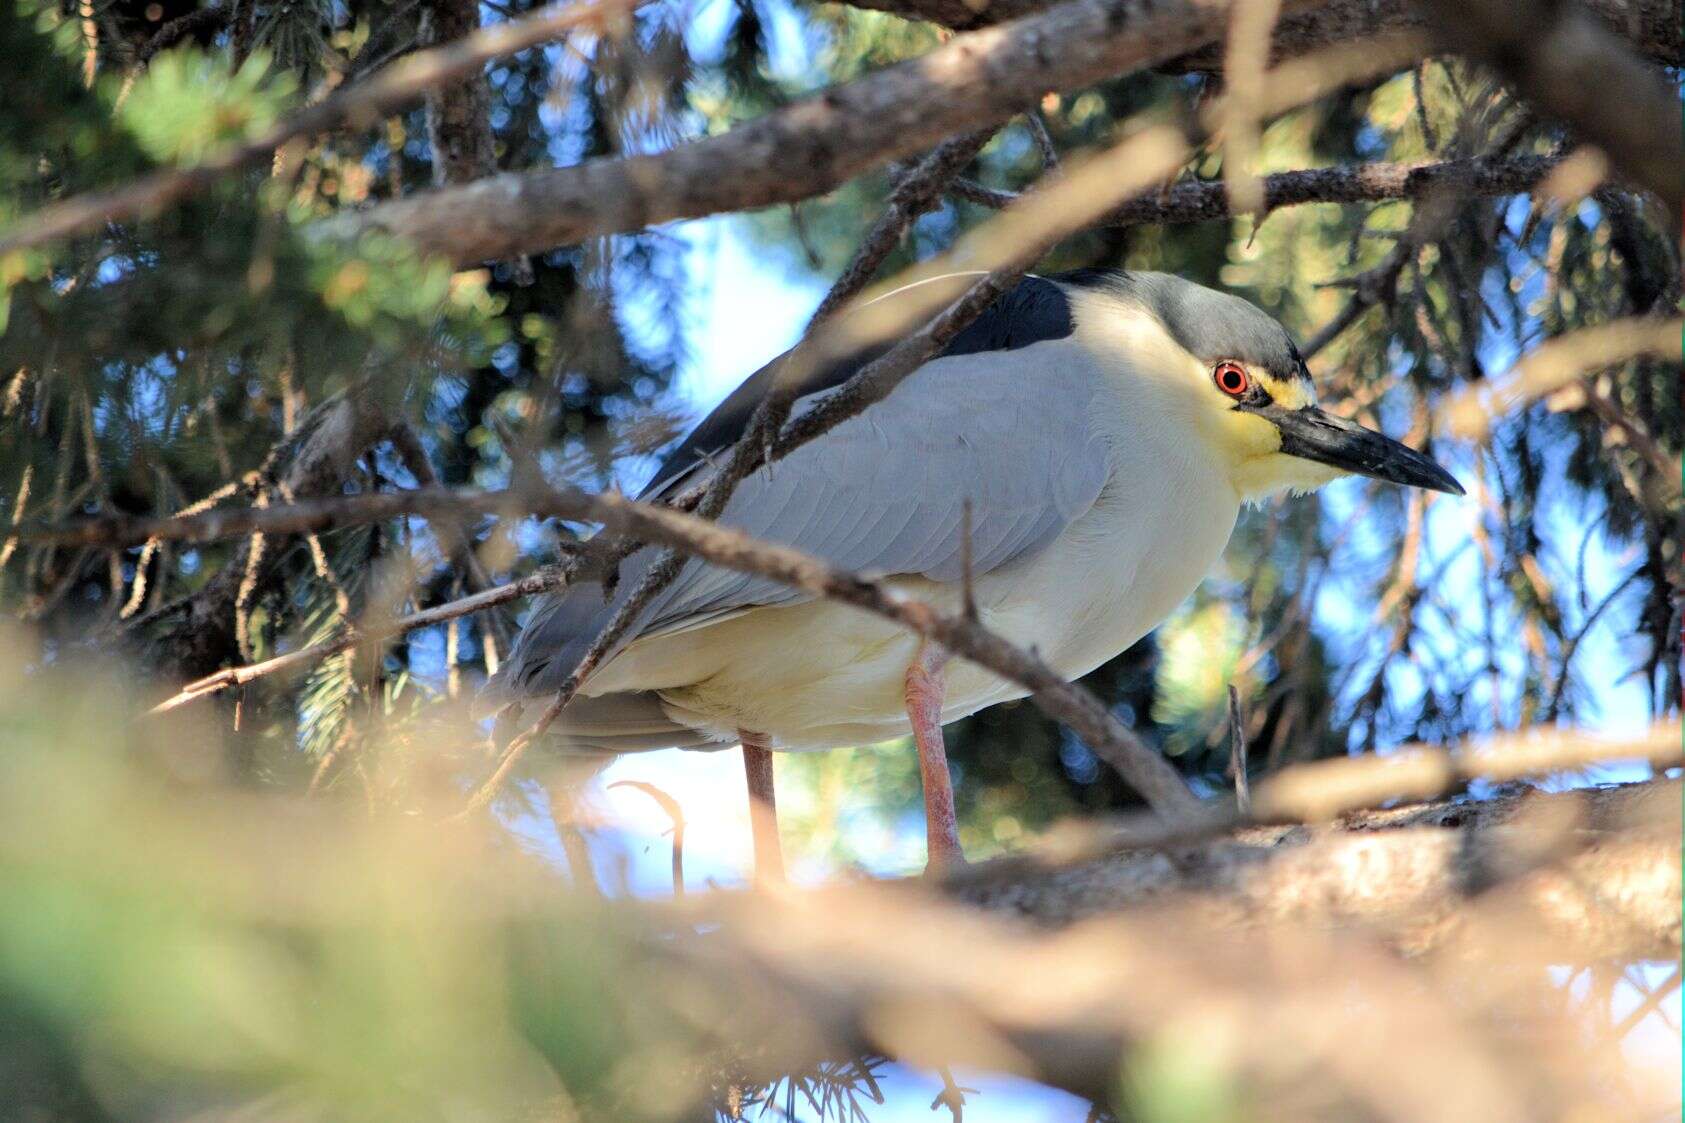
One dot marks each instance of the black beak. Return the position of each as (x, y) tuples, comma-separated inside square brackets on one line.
[(1314, 435)]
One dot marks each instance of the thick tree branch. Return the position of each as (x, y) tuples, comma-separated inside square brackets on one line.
[(1656, 28), (975, 80), (1328, 791), (1403, 873), (1260, 926)]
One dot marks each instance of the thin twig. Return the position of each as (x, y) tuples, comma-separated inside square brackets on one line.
[(173, 32), (543, 581), (1044, 140), (1549, 52), (674, 812), (1014, 241), (1198, 200), (1237, 754), (917, 192)]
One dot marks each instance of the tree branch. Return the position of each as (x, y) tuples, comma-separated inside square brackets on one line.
[(1655, 27), (1208, 200), (1327, 791), (973, 81), (1403, 873), (1260, 927)]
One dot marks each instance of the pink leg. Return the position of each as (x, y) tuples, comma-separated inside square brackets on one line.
[(763, 809), (925, 687)]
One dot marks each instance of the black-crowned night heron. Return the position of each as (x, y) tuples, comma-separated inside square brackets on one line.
[(1105, 428)]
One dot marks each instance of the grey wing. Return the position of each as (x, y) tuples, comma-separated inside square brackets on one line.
[(883, 493)]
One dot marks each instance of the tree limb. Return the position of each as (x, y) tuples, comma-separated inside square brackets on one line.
[(1255, 925), (973, 81), (1403, 873), (1655, 27), (1195, 200), (692, 535)]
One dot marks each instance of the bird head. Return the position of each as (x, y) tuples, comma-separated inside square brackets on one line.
[(1224, 369)]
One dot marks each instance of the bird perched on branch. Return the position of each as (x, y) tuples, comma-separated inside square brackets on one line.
[(1097, 431)]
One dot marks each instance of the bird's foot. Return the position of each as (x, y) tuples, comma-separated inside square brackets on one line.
[(945, 857)]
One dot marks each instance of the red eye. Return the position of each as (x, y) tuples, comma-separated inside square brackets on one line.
[(1231, 379)]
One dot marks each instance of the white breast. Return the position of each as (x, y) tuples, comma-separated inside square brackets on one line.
[(1117, 572)]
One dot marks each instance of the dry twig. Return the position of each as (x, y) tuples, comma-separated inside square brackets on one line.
[(717, 544), (1208, 201)]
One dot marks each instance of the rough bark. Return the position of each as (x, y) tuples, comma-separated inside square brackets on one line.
[(1265, 928), (1406, 874), (974, 80), (1655, 27), (977, 79)]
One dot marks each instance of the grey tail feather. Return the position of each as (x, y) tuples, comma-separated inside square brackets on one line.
[(631, 722)]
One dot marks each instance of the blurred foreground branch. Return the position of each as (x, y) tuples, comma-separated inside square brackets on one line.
[(1485, 895), (1559, 362), (1272, 957), (1323, 791)]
